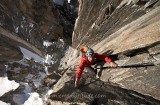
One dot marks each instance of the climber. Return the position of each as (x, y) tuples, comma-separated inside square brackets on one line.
[(87, 60)]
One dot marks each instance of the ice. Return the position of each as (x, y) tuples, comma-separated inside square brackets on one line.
[(28, 55), (7, 85)]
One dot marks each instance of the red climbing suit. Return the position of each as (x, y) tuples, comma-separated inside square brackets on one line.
[(86, 63)]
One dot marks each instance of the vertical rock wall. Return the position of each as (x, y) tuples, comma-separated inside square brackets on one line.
[(128, 31)]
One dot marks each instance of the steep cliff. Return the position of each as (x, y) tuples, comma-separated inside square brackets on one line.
[(129, 32), (36, 34), (33, 37), (38, 22)]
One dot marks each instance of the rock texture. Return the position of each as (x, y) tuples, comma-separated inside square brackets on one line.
[(36, 21), (105, 18), (8, 54), (29, 24), (128, 32), (94, 92), (31, 20)]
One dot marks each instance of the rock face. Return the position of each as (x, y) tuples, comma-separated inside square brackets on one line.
[(128, 32), (36, 21), (8, 54), (94, 92), (37, 27), (106, 18), (31, 20)]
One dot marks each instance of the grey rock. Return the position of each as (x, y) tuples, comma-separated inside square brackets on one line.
[(142, 79), (154, 50), (93, 91), (113, 102), (140, 59), (157, 57), (151, 2), (157, 4), (64, 91), (9, 53), (124, 27), (50, 80)]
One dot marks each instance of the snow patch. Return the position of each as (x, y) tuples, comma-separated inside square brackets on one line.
[(47, 43), (6, 85), (46, 70), (48, 94), (28, 55), (21, 98), (34, 99), (3, 103), (69, 1), (59, 43), (61, 40), (30, 25), (16, 30), (48, 59)]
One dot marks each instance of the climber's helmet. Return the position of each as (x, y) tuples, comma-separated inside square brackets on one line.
[(89, 52)]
